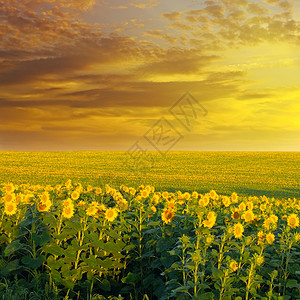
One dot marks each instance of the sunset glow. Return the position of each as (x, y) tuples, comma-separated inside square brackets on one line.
[(96, 74)]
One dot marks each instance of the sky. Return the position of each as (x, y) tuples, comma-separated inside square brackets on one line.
[(150, 75)]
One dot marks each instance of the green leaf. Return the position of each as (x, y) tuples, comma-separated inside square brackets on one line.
[(184, 288), (54, 249), (42, 238), (33, 263), (106, 263), (56, 276), (216, 273), (10, 267), (105, 285), (131, 278), (292, 283), (13, 247)]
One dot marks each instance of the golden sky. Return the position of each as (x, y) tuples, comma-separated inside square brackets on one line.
[(101, 74)]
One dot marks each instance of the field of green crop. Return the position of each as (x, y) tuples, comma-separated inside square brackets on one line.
[(247, 173), (179, 226)]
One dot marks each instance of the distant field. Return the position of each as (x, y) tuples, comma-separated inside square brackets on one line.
[(250, 173)]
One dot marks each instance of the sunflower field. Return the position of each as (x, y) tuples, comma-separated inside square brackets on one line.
[(71, 241)]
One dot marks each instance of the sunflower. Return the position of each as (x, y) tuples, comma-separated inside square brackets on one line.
[(226, 201), (45, 197), (75, 195), (167, 215), (165, 195), (195, 195), (238, 230), (261, 237), (9, 188), (270, 238), (68, 202), (187, 196), (248, 216), (171, 205), (44, 205), (209, 223), (111, 214), (68, 212), (274, 218), (267, 223), (148, 188), (242, 206), (204, 201), (10, 208), (122, 204), (9, 198), (19, 198), (233, 265), (234, 197), (235, 214), (132, 191), (91, 210), (68, 184), (81, 204), (155, 199), (211, 219), (101, 207), (249, 205), (144, 193), (293, 221), (153, 208), (27, 198), (213, 195)]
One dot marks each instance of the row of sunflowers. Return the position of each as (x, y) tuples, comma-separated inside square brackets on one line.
[(138, 243)]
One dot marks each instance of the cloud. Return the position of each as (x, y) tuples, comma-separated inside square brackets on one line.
[(173, 16), (236, 23), (145, 4)]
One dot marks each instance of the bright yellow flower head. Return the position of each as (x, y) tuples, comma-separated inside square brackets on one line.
[(68, 202), (165, 195), (204, 201), (111, 214), (144, 193), (248, 216), (122, 204), (236, 214), (242, 206), (9, 188), (44, 197), (153, 208), (226, 201), (293, 221), (234, 198), (98, 191), (75, 195), (44, 205), (167, 215), (187, 196), (211, 219), (68, 212), (195, 194), (238, 230), (9, 198), (233, 265), (10, 208), (261, 237), (263, 207), (270, 238), (213, 195), (249, 205), (91, 210)]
